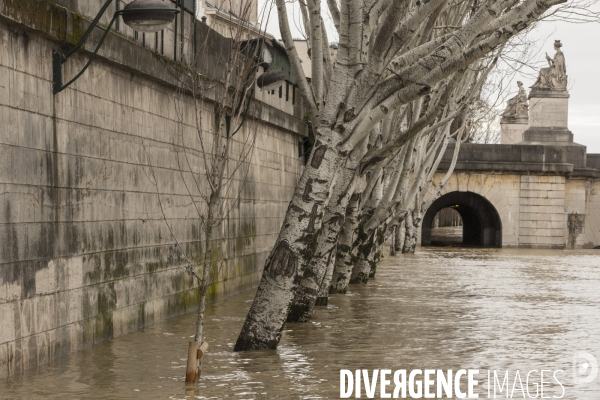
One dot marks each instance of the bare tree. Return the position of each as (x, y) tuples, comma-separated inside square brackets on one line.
[(417, 203), (387, 58), (381, 198), (214, 149)]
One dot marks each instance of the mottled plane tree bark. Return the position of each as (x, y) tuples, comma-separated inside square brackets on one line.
[(301, 308)]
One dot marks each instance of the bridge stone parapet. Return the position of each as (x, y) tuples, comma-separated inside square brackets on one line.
[(509, 158), (593, 161)]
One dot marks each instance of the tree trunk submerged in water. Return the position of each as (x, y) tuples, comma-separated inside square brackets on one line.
[(364, 246), (410, 239), (323, 295), (393, 237), (194, 365), (334, 215), (302, 306), (399, 238), (364, 257), (377, 250), (293, 250), (344, 260)]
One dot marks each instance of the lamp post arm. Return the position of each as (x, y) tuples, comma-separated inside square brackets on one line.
[(237, 110), (90, 29), (260, 64), (61, 87), (59, 59)]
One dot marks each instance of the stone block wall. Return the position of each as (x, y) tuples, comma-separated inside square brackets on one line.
[(592, 221), (537, 211), (512, 133), (576, 193), (542, 211), (96, 182), (549, 112)]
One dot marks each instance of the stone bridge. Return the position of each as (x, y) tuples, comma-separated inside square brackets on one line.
[(537, 189)]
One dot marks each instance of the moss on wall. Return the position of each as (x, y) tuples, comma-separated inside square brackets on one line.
[(128, 273), (42, 15)]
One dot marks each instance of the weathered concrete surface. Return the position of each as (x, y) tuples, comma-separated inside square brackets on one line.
[(85, 253)]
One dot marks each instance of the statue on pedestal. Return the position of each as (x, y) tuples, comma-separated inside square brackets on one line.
[(517, 106), (555, 76)]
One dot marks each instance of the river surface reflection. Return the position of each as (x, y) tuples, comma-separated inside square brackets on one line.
[(497, 309)]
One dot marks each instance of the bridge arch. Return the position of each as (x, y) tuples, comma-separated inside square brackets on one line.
[(481, 223)]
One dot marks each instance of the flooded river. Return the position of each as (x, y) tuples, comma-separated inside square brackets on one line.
[(486, 309)]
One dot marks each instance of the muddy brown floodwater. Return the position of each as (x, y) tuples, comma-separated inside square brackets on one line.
[(486, 309)]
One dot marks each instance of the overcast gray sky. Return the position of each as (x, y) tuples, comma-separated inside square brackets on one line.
[(581, 46)]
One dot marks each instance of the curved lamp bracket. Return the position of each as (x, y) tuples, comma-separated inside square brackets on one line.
[(59, 59)]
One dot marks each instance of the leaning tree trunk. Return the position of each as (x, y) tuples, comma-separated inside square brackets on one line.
[(369, 254), (410, 239), (364, 256), (302, 307), (344, 260), (393, 238), (323, 295), (399, 239), (363, 246), (294, 247), (377, 252), (327, 284)]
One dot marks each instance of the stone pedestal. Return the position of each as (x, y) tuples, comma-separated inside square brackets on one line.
[(512, 129), (548, 124), (548, 117)]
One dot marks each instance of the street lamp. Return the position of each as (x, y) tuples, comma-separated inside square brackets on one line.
[(141, 15), (266, 81), (270, 79)]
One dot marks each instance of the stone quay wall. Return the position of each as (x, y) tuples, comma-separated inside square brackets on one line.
[(86, 253)]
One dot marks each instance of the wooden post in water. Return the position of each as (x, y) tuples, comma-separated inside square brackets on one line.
[(192, 361), (199, 354)]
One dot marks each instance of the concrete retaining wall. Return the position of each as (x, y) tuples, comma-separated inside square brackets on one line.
[(85, 253)]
